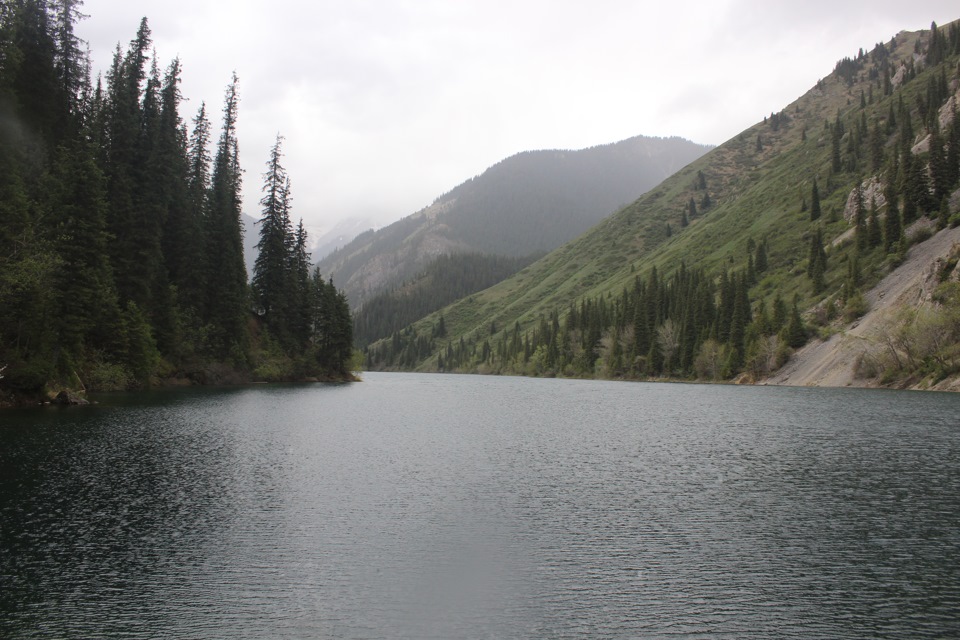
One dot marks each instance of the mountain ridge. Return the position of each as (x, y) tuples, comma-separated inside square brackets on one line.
[(530, 202)]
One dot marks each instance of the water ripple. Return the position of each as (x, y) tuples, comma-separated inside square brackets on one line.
[(460, 507)]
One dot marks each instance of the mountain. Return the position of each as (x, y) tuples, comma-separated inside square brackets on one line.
[(338, 236), (529, 203), (775, 237)]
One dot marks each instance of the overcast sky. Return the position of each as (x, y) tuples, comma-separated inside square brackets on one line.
[(386, 104)]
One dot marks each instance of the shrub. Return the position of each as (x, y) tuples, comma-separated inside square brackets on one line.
[(920, 235), (855, 307), (102, 375), (27, 376)]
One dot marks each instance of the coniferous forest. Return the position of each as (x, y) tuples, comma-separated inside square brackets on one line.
[(121, 257)]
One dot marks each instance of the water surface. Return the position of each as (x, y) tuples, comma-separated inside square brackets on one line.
[(426, 506)]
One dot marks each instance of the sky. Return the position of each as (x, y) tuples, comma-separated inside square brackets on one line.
[(386, 104)]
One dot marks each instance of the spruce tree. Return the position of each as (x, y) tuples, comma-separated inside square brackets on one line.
[(272, 273), (30, 74), (795, 333), (860, 219), (892, 226), (815, 211), (874, 232), (876, 147), (916, 188), (182, 250), (740, 316), (760, 262), (300, 305), (817, 262), (939, 173), (641, 327), (854, 275), (71, 60), (161, 194), (226, 275), (943, 216), (188, 261), (135, 252), (332, 326), (779, 318), (952, 160), (835, 158)]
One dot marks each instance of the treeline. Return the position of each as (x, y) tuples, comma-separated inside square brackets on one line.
[(307, 320), (121, 253), (445, 280), (687, 325)]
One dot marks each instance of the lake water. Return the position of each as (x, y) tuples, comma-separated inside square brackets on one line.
[(430, 506)]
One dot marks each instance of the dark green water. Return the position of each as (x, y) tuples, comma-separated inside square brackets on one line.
[(476, 507)]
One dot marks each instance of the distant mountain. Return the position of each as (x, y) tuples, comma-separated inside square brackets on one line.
[(529, 203), (339, 236), (834, 221)]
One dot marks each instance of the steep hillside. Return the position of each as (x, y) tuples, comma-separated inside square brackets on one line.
[(901, 302), (529, 203), (446, 279), (785, 188)]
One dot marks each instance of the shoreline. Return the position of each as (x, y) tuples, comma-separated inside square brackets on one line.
[(62, 396)]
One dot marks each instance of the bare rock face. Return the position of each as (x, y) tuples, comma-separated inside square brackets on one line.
[(954, 202), (872, 189), (948, 110), (832, 362), (921, 147), (898, 77), (945, 116)]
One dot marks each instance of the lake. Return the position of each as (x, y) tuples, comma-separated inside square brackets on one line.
[(441, 506)]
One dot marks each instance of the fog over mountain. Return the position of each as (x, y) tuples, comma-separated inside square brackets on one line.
[(529, 203)]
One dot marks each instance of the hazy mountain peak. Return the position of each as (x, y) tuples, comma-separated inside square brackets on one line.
[(530, 202)]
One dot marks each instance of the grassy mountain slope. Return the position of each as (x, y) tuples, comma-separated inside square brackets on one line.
[(529, 203), (760, 184)]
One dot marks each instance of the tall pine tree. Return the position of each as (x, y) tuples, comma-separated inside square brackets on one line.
[(272, 278), (226, 275)]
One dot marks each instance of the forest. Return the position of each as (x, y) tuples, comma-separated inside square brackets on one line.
[(121, 258), (446, 279)]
